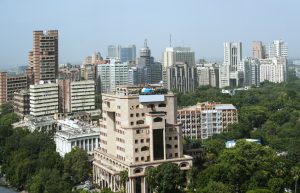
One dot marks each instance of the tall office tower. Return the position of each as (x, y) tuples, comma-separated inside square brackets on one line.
[(251, 69), (76, 96), (258, 50), (11, 84), (127, 54), (230, 74), (278, 48), (172, 55), (205, 119), (148, 71), (273, 69), (113, 52), (181, 77), (208, 74), (43, 99), (233, 55), (44, 56), (112, 75), (138, 131)]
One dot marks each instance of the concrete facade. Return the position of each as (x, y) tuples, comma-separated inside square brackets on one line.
[(273, 69)]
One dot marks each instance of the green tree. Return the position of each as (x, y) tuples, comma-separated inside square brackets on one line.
[(124, 178), (106, 190), (215, 187), (296, 174), (76, 165), (259, 191)]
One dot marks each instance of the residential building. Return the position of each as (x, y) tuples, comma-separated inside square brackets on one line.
[(208, 74), (278, 48), (138, 131), (258, 50), (181, 77), (70, 72), (43, 99), (21, 103), (273, 69), (251, 69), (73, 133), (43, 59), (206, 119), (11, 84), (112, 75), (173, 55)]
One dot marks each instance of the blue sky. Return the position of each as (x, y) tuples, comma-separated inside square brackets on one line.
[(86, 26)]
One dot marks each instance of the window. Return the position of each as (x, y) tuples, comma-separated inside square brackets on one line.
[(136, 159), (142, 140), (142, 158), (168, 146), (147, 140), (136, 141), (131, 115), (176, 146), (137, 114), (131, 123), (138, 131), (139, 122), (176, 154), (162, 105), (143, 114), (136, 150), (158, 119), (175, 138), (144, 148), (170, 138)]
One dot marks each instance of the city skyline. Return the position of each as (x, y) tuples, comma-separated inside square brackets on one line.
[(86, 27)]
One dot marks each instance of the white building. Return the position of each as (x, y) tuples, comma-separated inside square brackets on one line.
[(278, 48), (208, 74), (112, 75), (72, 133), (273, 69), (82, 94), (251, 69), (41, 124), (43, 99), (173, 55)]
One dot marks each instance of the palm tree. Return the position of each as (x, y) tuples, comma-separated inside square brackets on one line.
[(124, 178), (296, 175)]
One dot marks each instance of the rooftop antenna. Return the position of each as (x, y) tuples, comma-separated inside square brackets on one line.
[(170, 40), (145, 43)]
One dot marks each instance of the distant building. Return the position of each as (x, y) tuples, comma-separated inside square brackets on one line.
[(112, 75), (138, 131), (43, 59), (43, 99), (133, 76), (21, 103), (258, 50), (126, 54), (11, 84), (278, 48), (208, 74), (251, 69), (173, 55), (273, 69), (205, 119), (40, 124), (72, 73), (232, 143), (72, 133), (180, 77)]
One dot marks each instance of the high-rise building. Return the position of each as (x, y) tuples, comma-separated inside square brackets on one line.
[(76, 96), (258, 50), (127, 54), (208, 74), (113, 52), (278, 48), (273, 69), (138, 131), (43, 59), (43, 99), (180, 77), (230, 74), (251, 69), (112, 75), (21, 103), (173, 55), (11, 84), (205, 119), (133, 76)]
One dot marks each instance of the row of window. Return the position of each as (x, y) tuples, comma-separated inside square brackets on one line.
[(139, 131), (120, 148), (142, 141), (137, 114), (143, 158), (120, 140)]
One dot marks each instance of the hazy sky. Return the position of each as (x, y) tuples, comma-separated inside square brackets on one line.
[(86, 26)]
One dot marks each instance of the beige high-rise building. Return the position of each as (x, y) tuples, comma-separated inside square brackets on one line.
[(3, 87), (138, 131), (258, 50), (21, 103), (43, 59)]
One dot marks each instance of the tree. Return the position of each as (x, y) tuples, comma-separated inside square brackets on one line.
[(48, 181), (259, 191), (168, 178), (215, 187), (124, 178), (296, 174), (76, 165), (106, 190)]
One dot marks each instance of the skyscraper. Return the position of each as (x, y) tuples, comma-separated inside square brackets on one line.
[(127, 54), (172, 55), (258, 50), (43, 59), (278, 48), (273, 69), (251, 69)]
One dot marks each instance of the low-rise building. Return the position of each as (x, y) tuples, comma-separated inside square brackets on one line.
[(45, 124), (205, 119), (72, 133)]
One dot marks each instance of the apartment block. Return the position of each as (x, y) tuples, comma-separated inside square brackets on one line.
[(43, 99), (43, 59), (139, 130), (205, 119), (208, 74), (278, 48), (21, 103), (3, 87), (273, 69)]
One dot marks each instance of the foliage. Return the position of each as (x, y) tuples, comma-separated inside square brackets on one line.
[(76, 165), (215, 187), (165, 178)]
